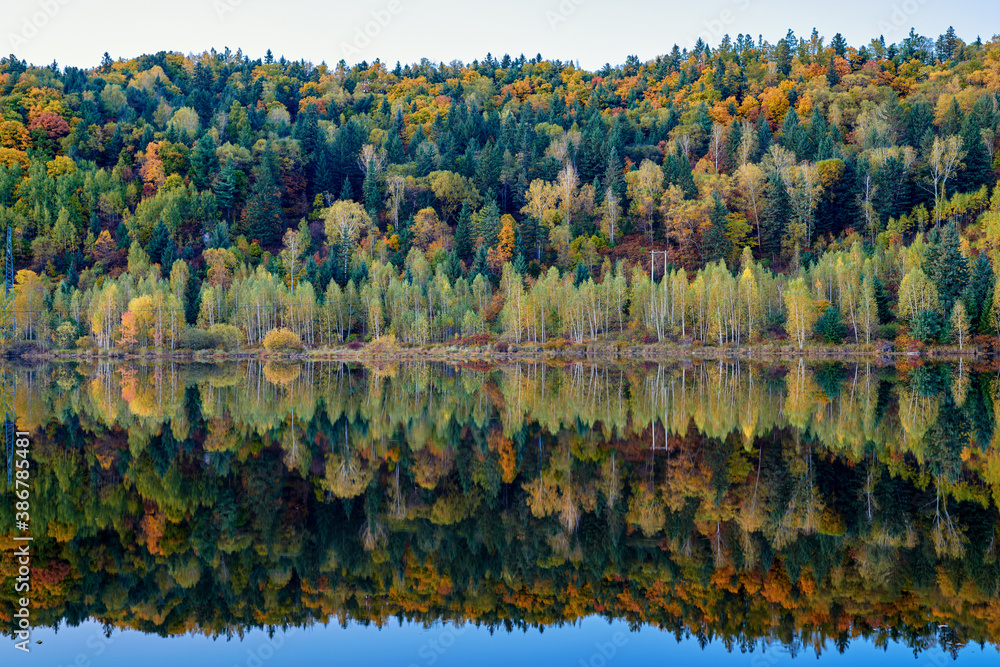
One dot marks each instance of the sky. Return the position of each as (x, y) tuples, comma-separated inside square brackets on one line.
[(591, 32), (592, 642)]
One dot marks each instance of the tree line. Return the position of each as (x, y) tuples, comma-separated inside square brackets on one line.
[(297, 180)]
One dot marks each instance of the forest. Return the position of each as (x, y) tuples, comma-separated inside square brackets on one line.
[(804, 191), (809, 504)]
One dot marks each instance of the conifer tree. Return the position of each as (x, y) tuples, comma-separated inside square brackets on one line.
[(480, 266), (716, 240), (225, 188), (950, 269), (774, 217), (203, 162), (262, 217), (978, 295), (463, 233)]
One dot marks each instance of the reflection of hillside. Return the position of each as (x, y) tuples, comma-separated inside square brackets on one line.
[(731, 500)]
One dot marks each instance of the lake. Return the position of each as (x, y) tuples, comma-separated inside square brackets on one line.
[(259, 513)]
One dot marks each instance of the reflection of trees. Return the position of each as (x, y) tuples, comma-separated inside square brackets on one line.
[(788, 503), (347, 474)]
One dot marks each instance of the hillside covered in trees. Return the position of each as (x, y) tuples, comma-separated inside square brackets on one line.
[(806, 189)]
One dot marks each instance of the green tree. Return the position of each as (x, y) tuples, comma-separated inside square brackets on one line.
[(716, 239), (263, 218), (204, 162), (978, 294), (463, 233), (225, 188), (950, 268)]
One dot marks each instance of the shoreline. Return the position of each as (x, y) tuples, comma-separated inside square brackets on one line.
[(514, 353)]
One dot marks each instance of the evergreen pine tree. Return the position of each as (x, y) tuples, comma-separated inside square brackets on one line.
[(979, 291), (733, 140), (373, 198), (677, 171), (716, 242), (170, 255), (480, 264), (324, 275), (978, 167), (346, 192), (950, 269), (225, 188), (311, 273), (764, 138), (203, 162), (158, 242), (882, 300), (262, 217), (463, 233), (192, 299), (774, 217), (453, 266), (832, 75), (488, 221)]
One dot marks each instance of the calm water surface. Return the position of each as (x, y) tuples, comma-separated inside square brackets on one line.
[(571, 514)]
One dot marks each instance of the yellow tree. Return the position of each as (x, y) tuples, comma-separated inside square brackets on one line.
[(644, 188), (916, 293), (429, 230), (686, 222), (801, 311), (345, 221), (129, 332), (945, 159), (566, 184), (610, 214), (294, 244), (29, 302), (749, 302), (504, 249), (540, 198), (751, 182)]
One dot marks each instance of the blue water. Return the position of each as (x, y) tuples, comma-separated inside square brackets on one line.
[(592, 643)]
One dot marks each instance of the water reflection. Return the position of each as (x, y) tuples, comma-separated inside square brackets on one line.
[(804, 504)]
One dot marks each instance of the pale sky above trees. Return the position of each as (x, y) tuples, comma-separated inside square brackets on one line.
[(77, 32)]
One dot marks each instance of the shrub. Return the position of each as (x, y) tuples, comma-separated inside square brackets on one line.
[(193, 338), (278, 340), (383, 344), (888, 331), (926, 326), (476, 340), (830, 326), (555, 344), (85, 342), (22, 348), (227, 336)]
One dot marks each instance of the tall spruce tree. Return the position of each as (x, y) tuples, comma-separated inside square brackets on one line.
[(716, 242), (950, 268), (978, 294), (774, 217), (203, 162), (463, 232), (263, 218)]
